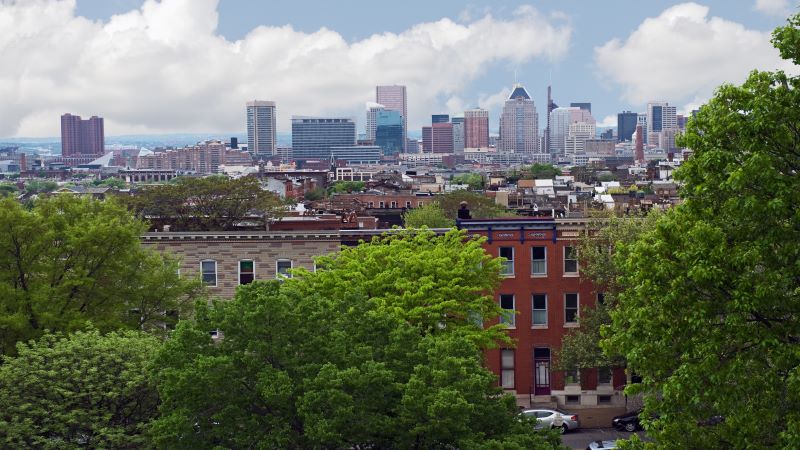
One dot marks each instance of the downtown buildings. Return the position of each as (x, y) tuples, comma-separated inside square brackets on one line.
[(519, 125), (476, 128), (261, 128), (393, 98), (313, 137), (81, 140)]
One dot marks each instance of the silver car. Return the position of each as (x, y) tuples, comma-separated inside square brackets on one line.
[(545, 417)]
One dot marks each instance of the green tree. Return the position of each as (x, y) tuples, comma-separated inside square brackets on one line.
[(116, 183), (342, 187), (68, 264), (379, 348), (84, 390), (475, 181), (480, 206), (710, 311), (40, 187), (314, 195), (8, 190), (540, 171), (206, 204), (430, 215)]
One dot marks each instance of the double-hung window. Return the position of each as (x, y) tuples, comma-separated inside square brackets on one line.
[(507, 314), (539, 309), (508, 263), (570, 308), (539, 261), (282, 268), (570, 261), (247, 271), (507, 368), (208, 272)]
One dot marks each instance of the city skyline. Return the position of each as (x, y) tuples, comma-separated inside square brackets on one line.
[(464, 56)]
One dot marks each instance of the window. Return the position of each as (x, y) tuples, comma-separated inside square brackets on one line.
[(371, 204), (508, 264), (572, 399), (507, 368), (208, 272), (419, 204), (507, 315), (572, 376), (247, 271), (282, 268), (570, 260), (381, 204), (408, 204), (601, 298), (603, 399), (539, 260), (604, 375), (394, 204), (570, 308), (539, 308)]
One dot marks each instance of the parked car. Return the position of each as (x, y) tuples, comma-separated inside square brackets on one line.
[(628, 421), (596, 445), (545, 417)]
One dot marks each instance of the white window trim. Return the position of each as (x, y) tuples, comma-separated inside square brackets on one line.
[(546, 307), (542, 274), (513, 310), (278, 275), (564, 263), (577, 310), (239, 270), (512, 260), (512, 369), (610, 379), (216, 272)]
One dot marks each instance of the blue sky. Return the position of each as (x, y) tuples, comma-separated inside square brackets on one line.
[(615, 54)]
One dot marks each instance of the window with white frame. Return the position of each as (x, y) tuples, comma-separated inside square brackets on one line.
[(208, 272), (539, 308), (538, 260), (283, 268), (508, 263), (507, 315), (570, 308), (247, 271), (570, 260), (507, 368), (381, 204), (408, 204), (604, 375), (572, 376), (419, 203)]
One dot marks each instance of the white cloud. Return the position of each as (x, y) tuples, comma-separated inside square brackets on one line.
[(773, 7), (608, 121), (164, 68), (683, 55)]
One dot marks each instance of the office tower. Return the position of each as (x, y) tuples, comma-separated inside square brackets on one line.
[(660, 117), (389, 132), (577, 135), (476, 128), (442, 137), (560, 120), (585, 106), (82, 137), (641, 119), (261, 128), (427, 139), (519, 123), (458, 135), (393, 98), (312, 137), (372, 122), (639, 154), (626, 125), (440, 118)]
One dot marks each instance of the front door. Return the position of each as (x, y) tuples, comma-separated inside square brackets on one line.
[(541, 364)]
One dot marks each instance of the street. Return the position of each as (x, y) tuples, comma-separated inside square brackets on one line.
[(580, 439)]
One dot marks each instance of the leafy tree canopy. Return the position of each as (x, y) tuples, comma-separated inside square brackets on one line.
[(85, 390), (540, 171), (69, 263), (475, 181), (110, 182), (380, 348), (346, 187), (430, 215), (710, 310), (480, 206), (40, 187), (206, 204)]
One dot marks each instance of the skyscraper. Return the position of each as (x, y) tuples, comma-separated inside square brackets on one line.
[(519, 123), (389, 132), (458, 135), (372, 121), (312, 137), (476, 128), (582, 105), (440, 118), (393, 98), (660, 117), (82, 137), (261, 128), (626, 125)]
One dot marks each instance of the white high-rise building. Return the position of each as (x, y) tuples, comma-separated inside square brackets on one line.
[(519, 123), (458, 134), (577, 135), (372, 119), (261, 128), (560, 120), (660, 117), (393, 98)]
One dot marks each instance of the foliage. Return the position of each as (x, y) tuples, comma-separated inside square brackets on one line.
[(342, 187), (40, 187), (68, 264), (377, 349), (475, 181), (8, 190), (480, 206), (540, 171), (84, 390), (710, 313), (430, 215), (206, 204), (314, 195), (606, 176), (116, 183)]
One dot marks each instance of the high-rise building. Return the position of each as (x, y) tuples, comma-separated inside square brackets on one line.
[(660, 117), (442, 137), (261, 128), (626, 125), (82, 137), (372, 119), (577, 135), (389, 132), (440, 118), (313, 137), (519, 123), (582, 105), (393, 98), (458, 135), (476, 128), (560, 120)]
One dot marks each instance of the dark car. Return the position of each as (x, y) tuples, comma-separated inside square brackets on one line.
[(628, 421)]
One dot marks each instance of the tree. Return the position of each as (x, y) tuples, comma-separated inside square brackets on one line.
[(40, 187), (479, 205), (430, 215), (475, 181), (540, 171), (379, 348), (341, 187), (84, 390), (710, 311), (116, 183), (314, 195), (69, 264), (206, 204), (8, 190)]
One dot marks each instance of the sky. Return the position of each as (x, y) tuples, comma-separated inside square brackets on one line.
[(180, 66)]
